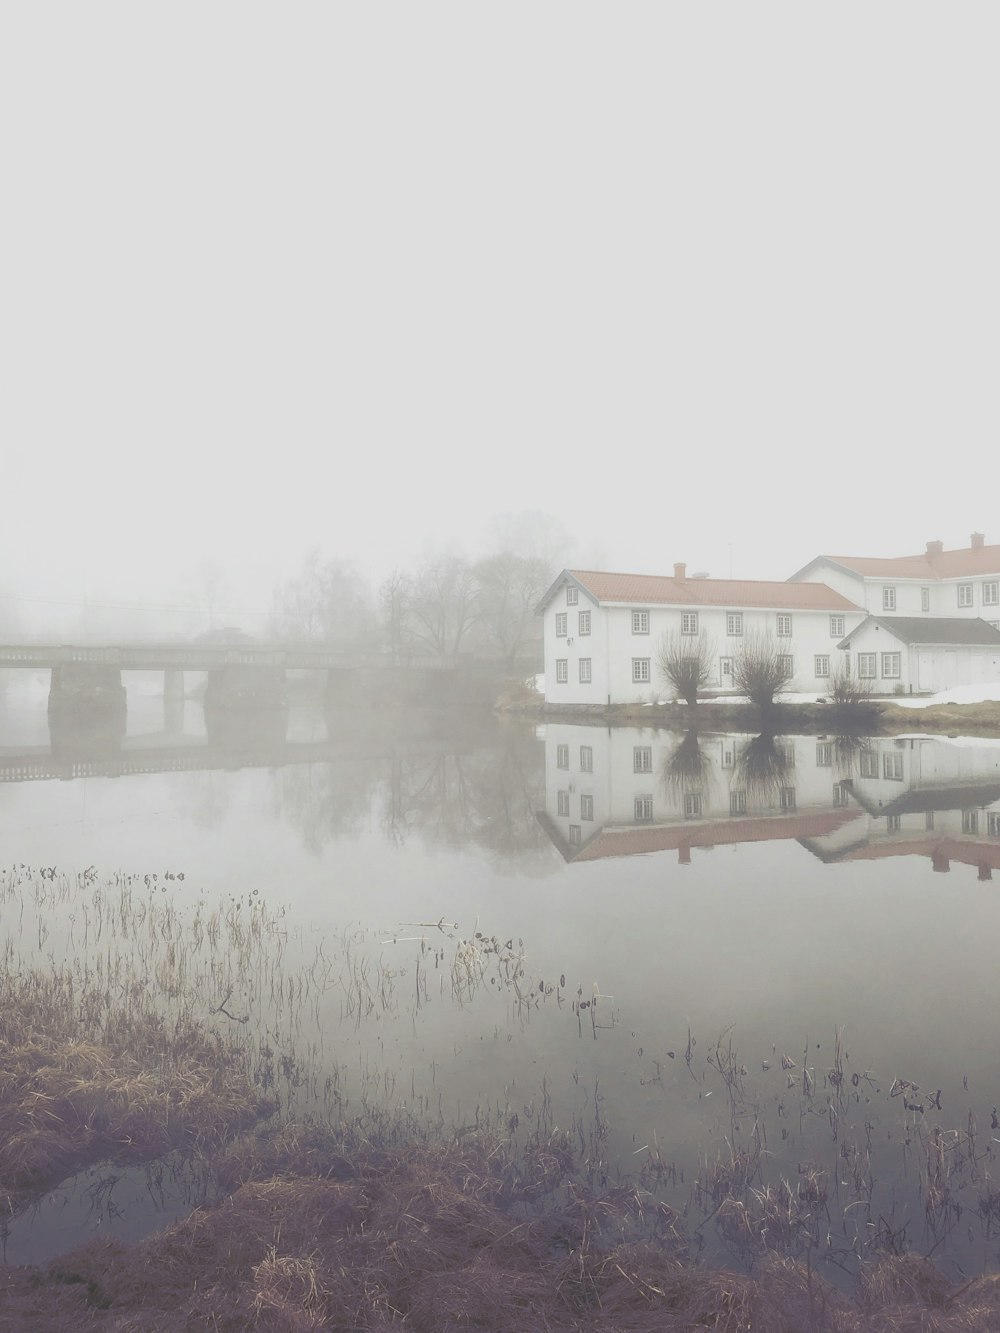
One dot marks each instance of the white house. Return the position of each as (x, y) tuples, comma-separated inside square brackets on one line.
[(602, 631), (907, 654), (964, 582)]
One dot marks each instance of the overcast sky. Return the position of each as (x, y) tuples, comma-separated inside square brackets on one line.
[(714, 283)]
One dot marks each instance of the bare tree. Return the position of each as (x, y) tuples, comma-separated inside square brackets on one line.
[(760, 671), (442, 605), (393, 599), (326, 600), (509, 587), (685, 663)]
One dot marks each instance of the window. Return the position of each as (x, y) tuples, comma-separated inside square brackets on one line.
[(822, 664), (640, 622), (692, 805), (728, 755), (644, 807), (965, 594), (642, 759), (572, 596), (737, 802), (970, 821), (888, 599), (587, 807), (689, 622), (734, 622), (640, 670), (562, 670), (866, 665), (925, 599), (892, 767), (586, 759), (991, 594), (562, 802), (836, 627), (784, 627), (929, 821), (890, 666), (788, 798), (584, 622), (893, 823), (726, 669), (868, 764), (560, 624), (993, 823), (786, 666), (584, 670), (562, 756), (840, 794), (575, 837), (824, 754)]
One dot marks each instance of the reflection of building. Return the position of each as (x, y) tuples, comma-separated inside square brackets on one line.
[(602, 632), (924, 797), (623, 791)]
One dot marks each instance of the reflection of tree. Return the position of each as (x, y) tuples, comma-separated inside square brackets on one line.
[(326, 802), (687, 768), (762, 769), (846, 752)]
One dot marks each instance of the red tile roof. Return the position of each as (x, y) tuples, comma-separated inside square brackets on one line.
[(645, 589), (947, 565)]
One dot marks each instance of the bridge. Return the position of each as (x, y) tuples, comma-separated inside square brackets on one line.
[(86, 677)]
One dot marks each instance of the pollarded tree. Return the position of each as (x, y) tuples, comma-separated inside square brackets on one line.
[(760, 670), (686, 663)]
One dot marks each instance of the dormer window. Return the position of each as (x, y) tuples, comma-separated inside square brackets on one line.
[(572, 596)]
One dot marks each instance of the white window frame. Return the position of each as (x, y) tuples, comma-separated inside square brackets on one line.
[(970, 821), (836, 627), (991, 593), (689, 622), (640, 622), (572, 596), (562, 670), (562, 756), (642, 809), (586, 759), (737, 802), (562, 618), (640, 671), (867, 666), (562, 804), (586, 676), (575, 837), (583, 623), (891, 669), (787, 798), (925, 599), (824, 754), (734, 624), (892, 766), (692, 805), (642, 759), (821, 665), (840, 794), (888, 599), (965, 595), (587, 807), (786, 665), (993, 823), (784, 627), (868, 764)]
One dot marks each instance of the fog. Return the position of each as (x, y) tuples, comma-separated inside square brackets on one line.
[(696, 284)]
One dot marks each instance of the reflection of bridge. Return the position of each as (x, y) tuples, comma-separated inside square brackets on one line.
[(245, 673)]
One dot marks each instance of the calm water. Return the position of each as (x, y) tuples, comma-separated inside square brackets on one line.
[(720, 896)]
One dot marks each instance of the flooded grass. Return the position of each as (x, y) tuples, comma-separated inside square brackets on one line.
[(134, 1025)]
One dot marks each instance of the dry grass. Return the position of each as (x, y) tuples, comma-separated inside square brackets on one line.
[(428, 1241)]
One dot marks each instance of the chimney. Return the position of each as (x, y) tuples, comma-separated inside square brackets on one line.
[(680, 572), (934, 548), (978, 541)]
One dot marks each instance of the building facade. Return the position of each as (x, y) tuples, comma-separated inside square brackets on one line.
[(922, 654), (603, 632)]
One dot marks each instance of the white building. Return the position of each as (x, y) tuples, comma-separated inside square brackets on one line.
[(910, 654), (963, 582), (602, 631)]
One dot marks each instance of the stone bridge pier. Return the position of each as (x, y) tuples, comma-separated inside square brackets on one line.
[(246, 687), (78, 687), (173, 701)]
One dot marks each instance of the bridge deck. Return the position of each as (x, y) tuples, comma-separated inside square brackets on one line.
[(204, 657)]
